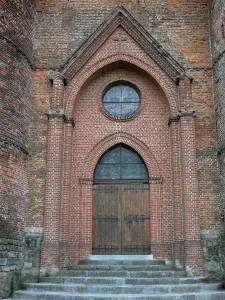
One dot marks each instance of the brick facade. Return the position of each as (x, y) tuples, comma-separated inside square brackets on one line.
[(188, 43), (112, 53), (163, 47)]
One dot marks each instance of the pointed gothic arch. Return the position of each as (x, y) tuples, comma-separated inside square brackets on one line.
[(129, 141), (167, 86), (121, 162)]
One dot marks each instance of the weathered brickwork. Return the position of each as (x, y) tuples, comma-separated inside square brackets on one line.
[(69, 130), (218, 43), (181, 27), (38, 149), (218, 54), (76, 226), (16, 50)]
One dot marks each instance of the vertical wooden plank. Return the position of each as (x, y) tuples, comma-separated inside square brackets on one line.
[(135, 219), (106, 219)]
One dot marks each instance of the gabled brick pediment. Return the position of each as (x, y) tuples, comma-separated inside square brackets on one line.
[(120, 17)]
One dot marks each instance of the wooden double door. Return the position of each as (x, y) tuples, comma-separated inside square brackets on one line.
[(121, 220)]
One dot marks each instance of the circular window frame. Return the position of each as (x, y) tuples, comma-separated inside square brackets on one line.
[(122, 118)]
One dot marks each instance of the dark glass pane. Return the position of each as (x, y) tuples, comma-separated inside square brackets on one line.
[(129, 108), (121, 163), (112, 156), (107, 171), (134, 171), (113, 108), (129, 156)]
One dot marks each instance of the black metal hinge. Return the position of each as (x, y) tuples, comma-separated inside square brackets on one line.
[(137, 248), (136, 218), (105, 249), (106, 189), (136, 188), (106, 219)]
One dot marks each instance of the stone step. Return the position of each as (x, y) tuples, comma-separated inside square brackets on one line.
[(121, 257), (124, 289), (122, 267), (121, 262), (122, 280), (125, 274), (34, 295), (99, 279)]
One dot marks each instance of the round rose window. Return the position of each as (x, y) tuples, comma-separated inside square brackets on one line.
[(121, 99)]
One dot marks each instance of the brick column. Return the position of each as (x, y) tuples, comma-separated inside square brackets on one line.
[(66, 193), (50, 247), (178, 213), (193, 244)]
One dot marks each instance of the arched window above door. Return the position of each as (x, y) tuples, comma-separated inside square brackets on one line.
[(121, 163)]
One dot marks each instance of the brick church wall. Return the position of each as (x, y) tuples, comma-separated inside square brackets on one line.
[(181, 27), (16, 49)]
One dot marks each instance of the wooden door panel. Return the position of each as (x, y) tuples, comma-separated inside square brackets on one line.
[(106, 219), (121, 223), (135, 219)]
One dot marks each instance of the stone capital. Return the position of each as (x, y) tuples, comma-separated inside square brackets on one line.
[(55, 113), (186, 112)]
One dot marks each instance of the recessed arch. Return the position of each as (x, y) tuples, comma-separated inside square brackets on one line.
[(129, 141), (167, 86), (121, 162)]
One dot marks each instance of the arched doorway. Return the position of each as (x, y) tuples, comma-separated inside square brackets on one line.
[(121, 222)]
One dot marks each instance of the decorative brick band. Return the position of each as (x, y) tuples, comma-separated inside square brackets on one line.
[(156, 180), (86, 181)]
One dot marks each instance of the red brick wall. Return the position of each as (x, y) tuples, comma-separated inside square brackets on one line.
[(15, 112), (182, 28), (218, 51), (150, 127)]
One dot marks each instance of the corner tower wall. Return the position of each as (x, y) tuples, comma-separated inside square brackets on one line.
[(16, 47), (218, 52), (218, 55)]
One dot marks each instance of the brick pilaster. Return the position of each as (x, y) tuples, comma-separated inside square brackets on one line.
[(57, 93), (178, 213), (50, 248), (66, 194), (193, 245)]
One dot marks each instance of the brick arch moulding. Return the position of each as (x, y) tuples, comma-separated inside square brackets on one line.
[(127, 139), (169, 88)]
